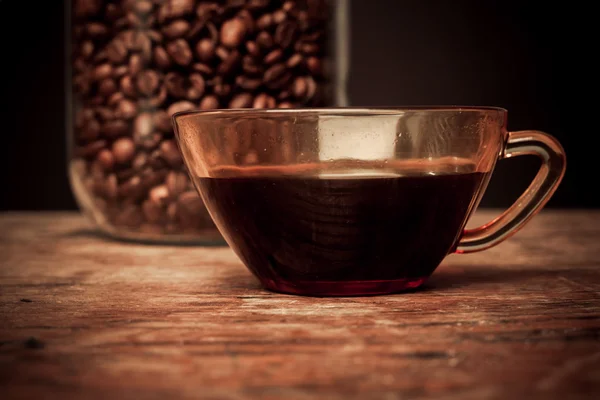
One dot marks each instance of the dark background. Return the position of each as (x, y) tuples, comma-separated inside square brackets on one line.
[(533, 58)]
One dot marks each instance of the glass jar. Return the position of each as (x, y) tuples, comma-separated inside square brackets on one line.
[(136, 62)]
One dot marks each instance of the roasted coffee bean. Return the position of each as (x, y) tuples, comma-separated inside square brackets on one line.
[(233, 32), (264, 22), (105, 159), (247, 83), (180, 106), (230, 64), (176, 29), (196, 87), (161, 57), (263, 100), (170, 153), (147, 82), (91, 149), (171, 9), (123, 150), (180, 52), (209, 102), (176, 183), (264, 40), (286, 33), (153, 212), (274, 73), (204, 69), (90, 130), (273, 56), (242, 100), (161, 121), (103, 71), (137, 62), (205, 50), (130, 216), (115, 128), (126, 109), (294, 61)]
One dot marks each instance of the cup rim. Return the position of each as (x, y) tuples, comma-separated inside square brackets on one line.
[(339, 111)]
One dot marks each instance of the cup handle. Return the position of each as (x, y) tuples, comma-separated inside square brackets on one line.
[(543, 186)]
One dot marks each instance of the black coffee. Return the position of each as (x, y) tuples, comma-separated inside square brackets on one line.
[(341, 235)]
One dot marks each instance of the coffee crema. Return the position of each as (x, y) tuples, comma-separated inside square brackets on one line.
[(322, 230)]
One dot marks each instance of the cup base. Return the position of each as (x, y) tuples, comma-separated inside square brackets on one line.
[(343, 288)]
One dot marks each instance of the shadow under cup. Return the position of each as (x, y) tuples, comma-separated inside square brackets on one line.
[(356, 201)]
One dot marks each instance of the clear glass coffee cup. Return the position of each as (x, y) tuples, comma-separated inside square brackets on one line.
[(348, 201)]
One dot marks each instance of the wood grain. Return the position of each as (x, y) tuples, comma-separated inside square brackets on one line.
[(82, 316)]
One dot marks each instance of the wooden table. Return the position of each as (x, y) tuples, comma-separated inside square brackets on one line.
[(85, 317)]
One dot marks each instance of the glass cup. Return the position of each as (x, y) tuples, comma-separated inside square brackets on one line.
[(357, 201)]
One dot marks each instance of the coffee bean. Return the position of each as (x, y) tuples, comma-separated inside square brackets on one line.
[(170, 153), (294, 61), (190, 209), (209, 102), (90, 130), (127, 86), (205, 50), (143, 126), (123, 150), (242, 100), (149, 142), (204, 69), (264, 22), (90, 150), (171, 9), (279, 16), (179, 107), (105, 159), (119, 71), (153, 212), (180, 52), (176, 29), (110, 187), (285, 34), (161, 121), (273, 56), (115, 99), (161, 58), (314, 66), (132, 188), (103, 71), (300, 87), (139, 161), (126, 109), (233, 32), (142, 7), (274, 73), (196, 87), (117, 51), (264, 40), (247, 83), (137, 62), (159, 195), (115, 128), (130, 216), (263, 100), (147, 82), (230, 64), (176, 183)]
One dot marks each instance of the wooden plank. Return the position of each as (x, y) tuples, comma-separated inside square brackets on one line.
[(82, 316)]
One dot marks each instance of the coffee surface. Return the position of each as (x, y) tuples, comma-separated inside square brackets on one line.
[(356, 226)]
